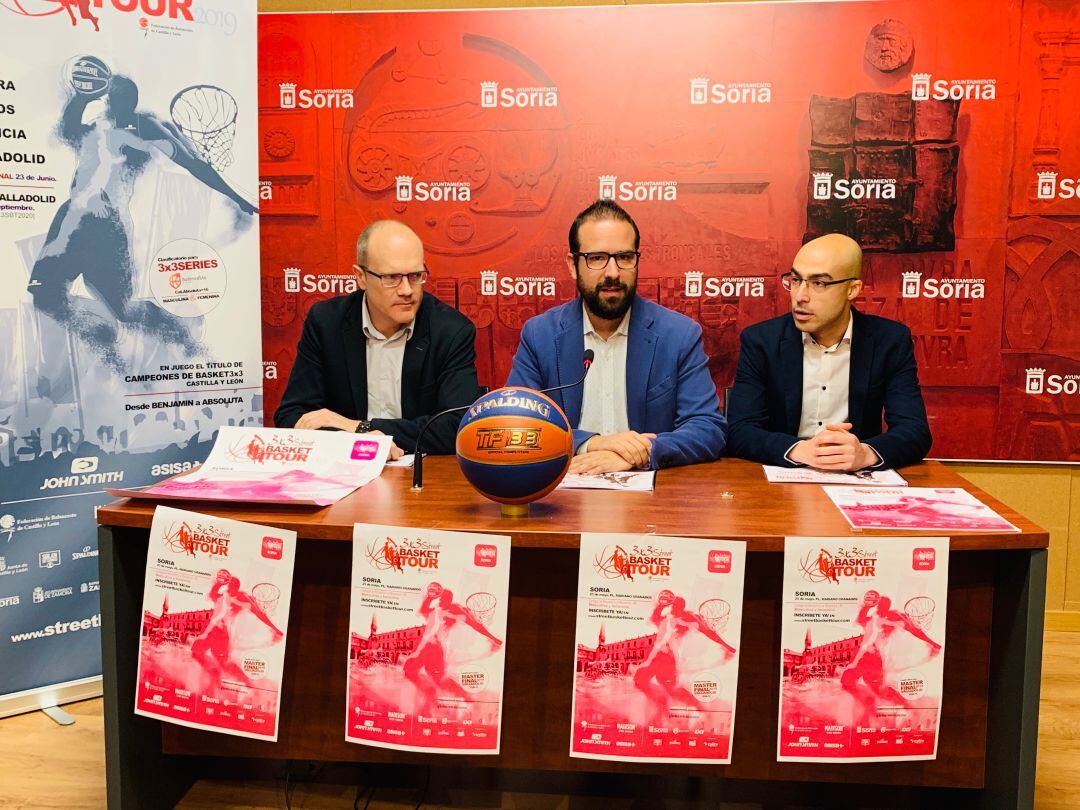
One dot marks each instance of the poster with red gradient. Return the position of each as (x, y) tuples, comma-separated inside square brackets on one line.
[(917, 509), (215, 614), (862, 643), (658, 636), (427, 622)]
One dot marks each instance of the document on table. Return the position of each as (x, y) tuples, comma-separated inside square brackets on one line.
[(808, 475), (630, 481)]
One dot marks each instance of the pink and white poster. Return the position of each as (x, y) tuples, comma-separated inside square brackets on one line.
[(277, 465), (862, 645), (427, 629), (916, 509), (215, 614), (658, 635)]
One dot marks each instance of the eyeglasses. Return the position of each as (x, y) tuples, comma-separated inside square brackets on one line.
[(598, 260), (817, 286), (392, 280)]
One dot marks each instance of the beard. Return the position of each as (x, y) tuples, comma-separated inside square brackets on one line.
[(608, 310)]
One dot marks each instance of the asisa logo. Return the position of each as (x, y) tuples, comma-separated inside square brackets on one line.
[(913, 286), (492, 96), (491, 283), (333, 284), (259, 450), (291, 98), (1039, 382), (861, 188), (615, 562), (924, 88), (408, 190), (696, 286), (182, 538), (704, 92), (389, 555), (1050, 188), (828, 566), (611, 188)]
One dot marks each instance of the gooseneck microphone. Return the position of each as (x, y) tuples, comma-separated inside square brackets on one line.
[(418, 456)]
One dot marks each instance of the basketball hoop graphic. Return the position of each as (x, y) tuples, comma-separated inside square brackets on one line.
[(920, 609), (266, 596), (207, 116), (482, 606), (715, 613)]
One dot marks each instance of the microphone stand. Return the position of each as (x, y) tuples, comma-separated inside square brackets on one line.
[(418, 456)]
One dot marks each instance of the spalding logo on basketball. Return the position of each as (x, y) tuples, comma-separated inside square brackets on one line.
[(88, 75), (514, 445)]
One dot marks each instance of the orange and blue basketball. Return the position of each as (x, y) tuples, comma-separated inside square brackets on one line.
[(514, 445)]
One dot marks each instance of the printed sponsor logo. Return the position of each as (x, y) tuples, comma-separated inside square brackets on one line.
[(842, 563), (702, 91), (924, 88), (1039, 382), (272, 547), (611, 188), (913, 286), (508, 439), (924, 559), (508, 398), (616, 562), (364, 450), (491, 283), (1049, 187), (860, 188), (90, 587), (86, 553), (332, 283), (290, 97), (49, 559), (183, 538), (285, 448), (86, 464), (720, 561), (8, 601), (82, 479), (697, 286), (58, 629), (485, 556), (41, 594), (491, 95), (407, 189), (390, 555), (10, 569)]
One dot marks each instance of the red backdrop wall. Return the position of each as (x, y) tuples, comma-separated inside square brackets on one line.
[(719, 123)]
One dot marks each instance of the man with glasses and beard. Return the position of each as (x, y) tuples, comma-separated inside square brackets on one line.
[(386, 357), (812, 385), (648, 400)]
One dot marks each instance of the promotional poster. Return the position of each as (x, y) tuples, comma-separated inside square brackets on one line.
[(215, 617), (268, 465), (808, 475), (129, 287), (656, 673), (863, 645), (921, 509), (427, 629)]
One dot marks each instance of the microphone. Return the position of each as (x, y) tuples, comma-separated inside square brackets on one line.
[(418, 457)]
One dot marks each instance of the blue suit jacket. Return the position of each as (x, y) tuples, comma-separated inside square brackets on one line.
[(766, 403), (668, 388)]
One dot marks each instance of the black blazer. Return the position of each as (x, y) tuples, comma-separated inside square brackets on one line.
[(438, 370), (766, 402)]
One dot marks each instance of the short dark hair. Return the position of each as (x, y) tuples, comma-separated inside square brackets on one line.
[(601, 209)]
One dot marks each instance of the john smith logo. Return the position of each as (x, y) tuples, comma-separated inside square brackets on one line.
[(260, 451), (1039, 382), (924, 87), (491, 283), (697, 286), (827, 566), (861, 188), (615, 562), (292, 98), (49, 559), (913, 286), (492, 96), (703, 92), (389, 555), (611, 188), (1050, 188), (182, 538), (332, 284), (407, 190)]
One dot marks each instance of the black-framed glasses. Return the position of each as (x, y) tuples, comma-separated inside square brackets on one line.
[(792, 281), (598, 259), (392, 280)]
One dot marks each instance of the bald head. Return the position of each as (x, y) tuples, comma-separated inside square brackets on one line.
[(833, 254), (387, 236)]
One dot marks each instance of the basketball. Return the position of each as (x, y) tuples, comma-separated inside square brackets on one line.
[(871, 598), (514, 445), (665, 597), (89, 75), (434, 589)]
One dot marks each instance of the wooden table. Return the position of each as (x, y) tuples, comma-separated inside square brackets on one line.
[(997, 582)]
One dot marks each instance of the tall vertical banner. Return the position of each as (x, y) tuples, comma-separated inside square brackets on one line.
[(215, 614), (129, 294), (658, 629), (427, 622), (863, 635)]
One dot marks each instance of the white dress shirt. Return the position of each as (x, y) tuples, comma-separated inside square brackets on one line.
[(603, 403), (825, 374), (384, 358)]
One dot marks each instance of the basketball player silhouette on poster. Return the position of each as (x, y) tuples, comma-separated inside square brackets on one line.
[(879, 621), (91, 233), (673, 622), (227, 632), (425, 666)]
